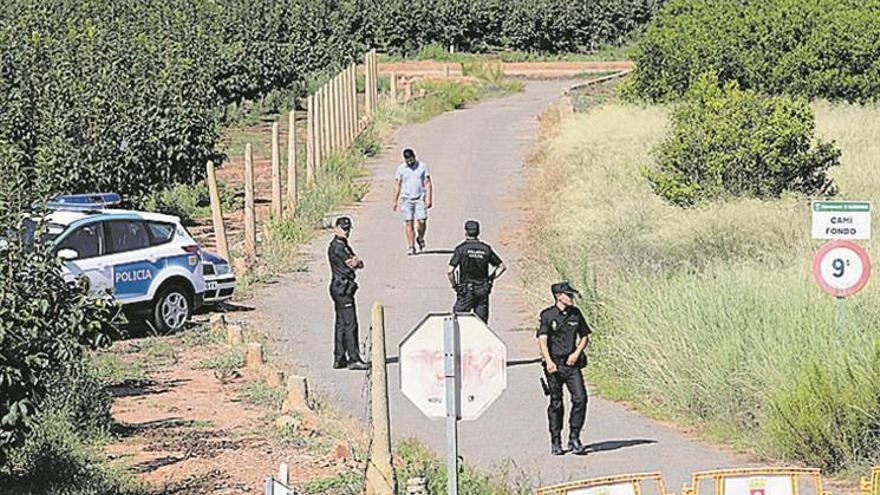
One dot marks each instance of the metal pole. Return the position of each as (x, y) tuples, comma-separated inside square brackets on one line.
[(841, 313), (452, 369)]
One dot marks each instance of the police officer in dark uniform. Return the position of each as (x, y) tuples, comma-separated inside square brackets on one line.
[(343, 263), (472, 258), (563, 334)]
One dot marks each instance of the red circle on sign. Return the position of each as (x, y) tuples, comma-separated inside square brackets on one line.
[(851, 246)]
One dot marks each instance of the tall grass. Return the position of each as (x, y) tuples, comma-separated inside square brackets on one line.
[(710, 315)]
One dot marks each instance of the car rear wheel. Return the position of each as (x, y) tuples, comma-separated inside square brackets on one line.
[(171, 309)]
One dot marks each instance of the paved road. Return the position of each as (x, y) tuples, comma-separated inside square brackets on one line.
[(476, 157)]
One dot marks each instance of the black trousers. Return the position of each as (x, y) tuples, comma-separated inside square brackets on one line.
[(473, 297), (574, 381), (345, 342)]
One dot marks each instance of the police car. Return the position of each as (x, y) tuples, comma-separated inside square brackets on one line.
[(148, 262)]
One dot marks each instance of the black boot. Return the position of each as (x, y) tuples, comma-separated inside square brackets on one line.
[(576, 447), (339, 363), (358, 365), (556, 447)]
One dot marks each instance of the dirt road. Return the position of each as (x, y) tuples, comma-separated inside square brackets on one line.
[(476, 157)]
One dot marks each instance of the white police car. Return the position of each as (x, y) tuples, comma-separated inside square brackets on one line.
[(147, 261)]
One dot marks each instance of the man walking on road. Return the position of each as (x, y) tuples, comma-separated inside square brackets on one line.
[(343, 263), (472, 258), (563, 335), (413, 195)]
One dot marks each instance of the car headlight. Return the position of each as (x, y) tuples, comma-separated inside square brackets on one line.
[(222, 269)]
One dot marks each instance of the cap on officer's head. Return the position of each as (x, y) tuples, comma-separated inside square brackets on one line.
[(563, 288), (343, 223), (472, 228), (409, 153)]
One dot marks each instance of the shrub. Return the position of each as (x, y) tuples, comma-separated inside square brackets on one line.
[(814, 48), (732, 142), (45, 326)]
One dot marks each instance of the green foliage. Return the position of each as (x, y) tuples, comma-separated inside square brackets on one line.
[(451, 94), (259, 393), (341, 484), (227, 361), (814, 48), (46, 324), (190, 202), (731, 142), (100, 97), (417, 461), (479, 25)]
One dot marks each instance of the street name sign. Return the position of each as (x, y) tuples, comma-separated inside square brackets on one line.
[(848, 220)]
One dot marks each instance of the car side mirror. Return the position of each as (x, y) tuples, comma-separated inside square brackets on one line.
[(68, 254)]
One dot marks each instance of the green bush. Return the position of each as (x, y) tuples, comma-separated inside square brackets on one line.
[(814, 48), (731, 142), (190, 202), (46, 324), (417, 461)]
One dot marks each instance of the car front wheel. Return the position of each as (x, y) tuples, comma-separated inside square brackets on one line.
[(172, 308)]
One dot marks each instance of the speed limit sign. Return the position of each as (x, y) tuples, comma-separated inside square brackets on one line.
[(841, 268)]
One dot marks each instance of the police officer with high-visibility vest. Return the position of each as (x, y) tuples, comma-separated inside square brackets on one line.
[(471, 262), (563, 335)]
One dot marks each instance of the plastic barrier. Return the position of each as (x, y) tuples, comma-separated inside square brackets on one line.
[(757, 481), (872, 486), (624, 484)]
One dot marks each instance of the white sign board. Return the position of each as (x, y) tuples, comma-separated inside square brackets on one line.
[(483, 367), (842, 220), (628, 488), (759, 485)]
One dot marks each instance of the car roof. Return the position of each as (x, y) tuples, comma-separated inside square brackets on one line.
[(67, 217)]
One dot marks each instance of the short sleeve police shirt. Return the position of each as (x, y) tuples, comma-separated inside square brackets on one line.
[(338, 252), (473, 258), (563, 329)]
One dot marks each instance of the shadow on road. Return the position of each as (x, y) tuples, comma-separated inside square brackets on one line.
[(435, 251), (617, 444)]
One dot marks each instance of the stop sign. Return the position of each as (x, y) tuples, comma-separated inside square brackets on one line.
[(483, 366)]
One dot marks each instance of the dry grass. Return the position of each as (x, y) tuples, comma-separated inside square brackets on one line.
[(710, 314)]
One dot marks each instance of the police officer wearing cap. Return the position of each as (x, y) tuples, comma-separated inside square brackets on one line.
[(472, 260), (563, 334), (343, 263)]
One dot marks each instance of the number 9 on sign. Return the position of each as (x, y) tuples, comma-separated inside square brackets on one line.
[(841, 268)]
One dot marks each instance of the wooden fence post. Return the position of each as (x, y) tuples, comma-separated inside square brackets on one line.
[(311, 149), (291, 163), (380, 470), (337, 128), (217, 213), (375, 80), (346, 92), (250, 216), (446, 71), (325, 126), (368, 93), (276, 173), (393, 86), (352, 92)]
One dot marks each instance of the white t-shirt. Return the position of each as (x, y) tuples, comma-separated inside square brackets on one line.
[(412, 180)]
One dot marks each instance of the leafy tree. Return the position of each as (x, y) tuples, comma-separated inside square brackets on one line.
[(729, 142)]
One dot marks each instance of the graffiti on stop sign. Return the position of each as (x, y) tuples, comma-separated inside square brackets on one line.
[(483, 361)]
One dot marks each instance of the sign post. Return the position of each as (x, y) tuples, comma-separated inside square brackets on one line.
[(452, 377), (452, 366), (841, 268)]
